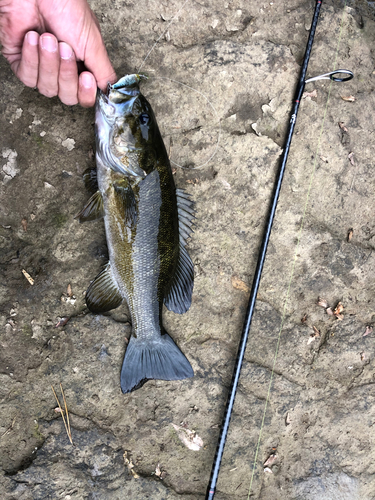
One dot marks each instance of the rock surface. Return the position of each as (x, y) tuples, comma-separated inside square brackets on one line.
[(304, 412)]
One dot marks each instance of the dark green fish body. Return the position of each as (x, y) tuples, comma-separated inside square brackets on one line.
[(147, 222)]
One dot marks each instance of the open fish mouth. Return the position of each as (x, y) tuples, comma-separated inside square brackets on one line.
[(127, 82)]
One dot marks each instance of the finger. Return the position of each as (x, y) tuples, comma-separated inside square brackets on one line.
[(86, 89), (27, 68), (97, 60), (68, 75), (48, 65)]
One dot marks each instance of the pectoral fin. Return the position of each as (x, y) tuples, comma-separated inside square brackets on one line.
[(90, 178), (93, 209), (127, 200), (103, 294)]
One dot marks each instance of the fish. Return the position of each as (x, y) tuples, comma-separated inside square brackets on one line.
[(147, 223)]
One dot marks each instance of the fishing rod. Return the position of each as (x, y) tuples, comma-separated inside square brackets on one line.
[(340, 75)]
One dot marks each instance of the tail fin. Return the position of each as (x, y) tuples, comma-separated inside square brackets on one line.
[(159, 359)]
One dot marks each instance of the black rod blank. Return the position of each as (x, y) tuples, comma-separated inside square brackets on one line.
[(258, 271)]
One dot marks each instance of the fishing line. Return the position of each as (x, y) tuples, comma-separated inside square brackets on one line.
[(296, 251), (215, 113), (187, 86), (164, 32), (262, 254)]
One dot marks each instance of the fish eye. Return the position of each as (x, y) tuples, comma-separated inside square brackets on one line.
[(144, 118)]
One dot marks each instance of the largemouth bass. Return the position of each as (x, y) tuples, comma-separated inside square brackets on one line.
[(147, 222)]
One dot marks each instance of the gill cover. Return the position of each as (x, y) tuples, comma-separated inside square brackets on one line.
[(116, 146)]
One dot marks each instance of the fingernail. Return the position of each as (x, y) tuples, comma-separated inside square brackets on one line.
[(65, 50), (49, 43), (32, 37), (87, 80)]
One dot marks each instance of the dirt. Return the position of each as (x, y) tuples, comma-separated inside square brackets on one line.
[(304, 412)]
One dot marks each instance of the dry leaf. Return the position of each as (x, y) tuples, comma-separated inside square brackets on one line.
[(304, 318), (363, 356), (349, 98), (62, 321), (314, 335), (338, 310), (28, 277), (350, 235), (189, 438), (193, 409), (24, 224), (342, 126), (316, 332), (238, 284), (159, 473), (329, 311), (368, 331), (351, 158), (322, 302), (69, 290), (309, 94), (287, 419), (270, 460), (129, 465)]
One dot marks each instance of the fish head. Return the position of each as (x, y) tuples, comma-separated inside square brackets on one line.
[(127, 117)]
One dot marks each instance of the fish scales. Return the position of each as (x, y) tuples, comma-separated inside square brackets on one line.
[(147, 222)]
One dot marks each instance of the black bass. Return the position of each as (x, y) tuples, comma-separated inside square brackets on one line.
[(147, 222)]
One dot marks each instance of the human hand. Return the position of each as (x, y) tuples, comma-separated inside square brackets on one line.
[(69, 33)]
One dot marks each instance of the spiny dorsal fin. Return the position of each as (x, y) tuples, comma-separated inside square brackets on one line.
[(93, 209), (103, 295), (127, 198), (178, 299)]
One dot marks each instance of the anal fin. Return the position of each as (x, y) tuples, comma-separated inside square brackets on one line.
[(103, 294)]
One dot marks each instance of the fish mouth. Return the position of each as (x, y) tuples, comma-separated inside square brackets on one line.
[(128, 84)]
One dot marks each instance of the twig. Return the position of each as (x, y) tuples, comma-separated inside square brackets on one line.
[(9, 428), (67, 427), (67, 414)]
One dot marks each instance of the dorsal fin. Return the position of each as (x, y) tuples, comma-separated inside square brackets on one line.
[(93, 209), (178, 298), (103, 294)]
